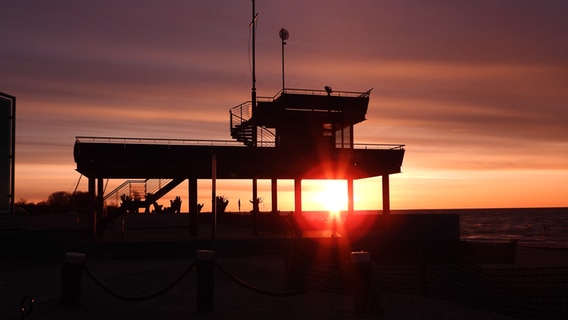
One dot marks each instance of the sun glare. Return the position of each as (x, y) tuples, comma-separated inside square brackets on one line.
[(333, 196)]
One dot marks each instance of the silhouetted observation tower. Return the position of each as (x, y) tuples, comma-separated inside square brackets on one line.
[(301, 134), (298, 134)]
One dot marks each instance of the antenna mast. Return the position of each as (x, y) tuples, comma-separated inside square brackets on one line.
[(253, 90)]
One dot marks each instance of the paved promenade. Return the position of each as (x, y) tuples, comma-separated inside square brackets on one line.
[(138, 268)]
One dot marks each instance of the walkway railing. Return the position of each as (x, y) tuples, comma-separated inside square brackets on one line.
[(157, 141), (265, 140), (378, 146), (353, 94)]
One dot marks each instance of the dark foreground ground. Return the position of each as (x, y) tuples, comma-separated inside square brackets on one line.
[(136, 277), (138, 267)]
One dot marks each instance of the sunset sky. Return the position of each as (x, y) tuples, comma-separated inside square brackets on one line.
[(476, 90)]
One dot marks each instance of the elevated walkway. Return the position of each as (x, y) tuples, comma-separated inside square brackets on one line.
[(99, 157), (295, 135)]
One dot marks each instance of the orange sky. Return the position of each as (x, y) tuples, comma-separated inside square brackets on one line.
[(475, 90)]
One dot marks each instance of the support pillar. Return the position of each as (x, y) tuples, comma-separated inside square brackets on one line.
[(193, 208), (297, 206), (350, 197), (255, 206), (92, 209), (274, 195), (213, 196), (99, 207), (386, 194)]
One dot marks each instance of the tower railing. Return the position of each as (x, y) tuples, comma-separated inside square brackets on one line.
[(316, 92), (241, 126)]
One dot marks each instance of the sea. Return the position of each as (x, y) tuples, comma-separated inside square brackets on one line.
[(530, 227), (535, 227)]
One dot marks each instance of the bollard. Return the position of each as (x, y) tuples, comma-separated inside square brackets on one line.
[(361, 284), (205, 280), (71, 279), (122, 231)]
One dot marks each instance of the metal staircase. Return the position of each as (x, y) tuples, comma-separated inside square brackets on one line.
[(142, 192), (242, 126)]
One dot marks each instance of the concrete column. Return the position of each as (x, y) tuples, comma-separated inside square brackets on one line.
[(213, 196), (193, 214), (100, 206), (255, 206), (274, 195), (386, 194), (350, 197), (297, 206), (92, 208)]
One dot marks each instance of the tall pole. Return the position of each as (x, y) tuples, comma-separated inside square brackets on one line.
[(214, 196), (254, 127), (284, 36), (253, 90)]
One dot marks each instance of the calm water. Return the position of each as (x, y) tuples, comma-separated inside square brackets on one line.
[(545, 227), (542, 227), (537, 227)]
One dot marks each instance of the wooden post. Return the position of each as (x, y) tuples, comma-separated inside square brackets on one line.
[(205, 277), (71, 272)]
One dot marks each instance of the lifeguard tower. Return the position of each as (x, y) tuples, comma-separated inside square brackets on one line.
[(297, 134)]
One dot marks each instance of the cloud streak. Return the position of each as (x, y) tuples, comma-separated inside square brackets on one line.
[(468, 87)]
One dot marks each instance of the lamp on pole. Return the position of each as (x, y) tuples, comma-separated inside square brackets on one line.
[(284, 36)]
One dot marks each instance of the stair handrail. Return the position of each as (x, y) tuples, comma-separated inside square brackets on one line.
[(121, 187), (153, 185), (266, 137), (241, 114)]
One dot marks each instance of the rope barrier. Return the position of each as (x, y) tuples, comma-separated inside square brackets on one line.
[(149, 296), (279, 294)]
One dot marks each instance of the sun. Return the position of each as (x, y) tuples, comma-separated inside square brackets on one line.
[(333, 196)]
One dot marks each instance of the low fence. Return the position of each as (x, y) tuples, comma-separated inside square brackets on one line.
[(525, 293), (74, 267)]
